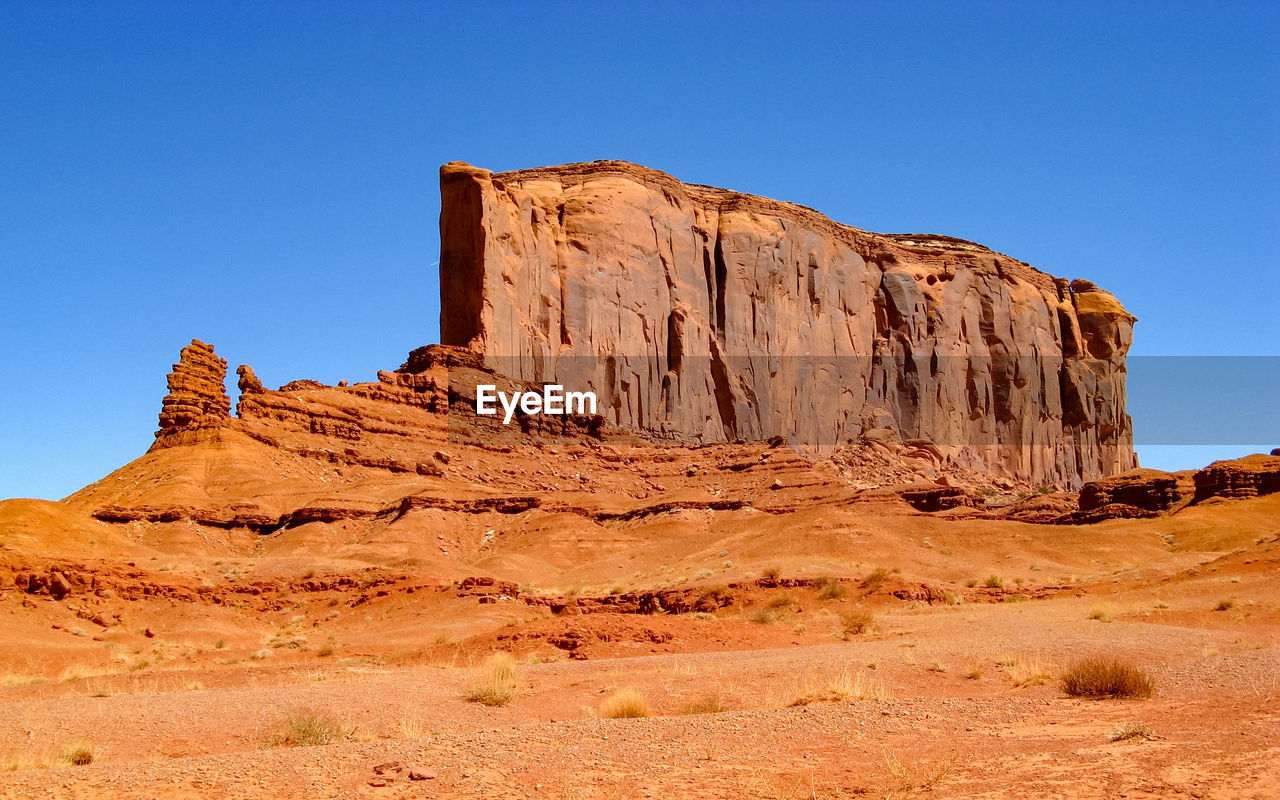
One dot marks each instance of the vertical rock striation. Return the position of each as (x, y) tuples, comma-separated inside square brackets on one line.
[(705, 315)]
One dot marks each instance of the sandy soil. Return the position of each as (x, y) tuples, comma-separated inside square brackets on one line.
[(182, 654)]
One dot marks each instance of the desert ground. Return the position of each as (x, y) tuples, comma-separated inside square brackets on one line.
[(811, 639)]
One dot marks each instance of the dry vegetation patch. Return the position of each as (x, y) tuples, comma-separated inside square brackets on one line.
[(829, 588), (79, 753), (496, 683), (856, 622), (835, 686), (710, 704), (1107, 677), (310, 729), (910, 776), (1132, 730), (625, 704), (1027, 670)]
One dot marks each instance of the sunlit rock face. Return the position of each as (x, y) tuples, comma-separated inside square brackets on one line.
[(705, 315)]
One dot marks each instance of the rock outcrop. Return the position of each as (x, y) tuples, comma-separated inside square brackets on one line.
[(1150, 490), (197, 395), (1250, 476), (705, 315)]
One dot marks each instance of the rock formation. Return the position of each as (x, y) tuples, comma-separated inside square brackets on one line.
[(1148, 489), (704, 315), (1250, 476), (197, 397)]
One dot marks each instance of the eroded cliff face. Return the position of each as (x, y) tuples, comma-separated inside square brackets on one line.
[(705, 315)]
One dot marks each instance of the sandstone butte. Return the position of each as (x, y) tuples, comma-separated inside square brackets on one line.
[(662, 297), (705, 315)]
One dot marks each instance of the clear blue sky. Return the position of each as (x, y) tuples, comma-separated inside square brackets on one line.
[(263, 175)]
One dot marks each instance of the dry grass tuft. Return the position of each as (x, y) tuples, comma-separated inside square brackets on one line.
[(77, 672), (1132, 730), (625, 704), (784, 600), (910, 777), (79, 753), (310, 729), (1100, 613), (994, 582), (829, 588), (1107, 677), (856, 621), (1028, 671), (835, 687), (973, 668), (1225, 605), (711, 704), (875, 580), (409, 726), (496, 685), (766, 616)]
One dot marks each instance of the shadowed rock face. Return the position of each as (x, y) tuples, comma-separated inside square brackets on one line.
[(705, 315)]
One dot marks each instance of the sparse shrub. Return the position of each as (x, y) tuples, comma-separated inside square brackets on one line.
[(973, 669), (711, 704), (1106, 677), (1045, 490), (1024, 671), (310, 729), (993, 582), (1132, 730), (875, 580), (835, 687), (783, 600), (261, 654), (496, 685), (328, 647), (765, 616), (856, 621), (911, 777), (221, 644), (625, 704), (79, 753), (1225, 605), (77, 672), (1100, 614), (290, 635), (972, 582), (771, 573), (829, 588)]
